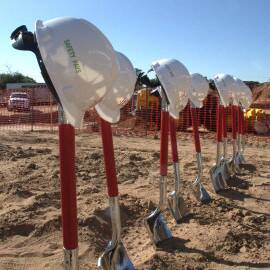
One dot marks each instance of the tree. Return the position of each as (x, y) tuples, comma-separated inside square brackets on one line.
[(143, 79), (14, 77)]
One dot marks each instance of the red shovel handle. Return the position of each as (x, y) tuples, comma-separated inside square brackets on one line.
[(220, 109), (68, 185), (173, 140), (234, 119), (195, 126), (224, 123), (164, 143), (239, 119), (242, 123), (108, 153)]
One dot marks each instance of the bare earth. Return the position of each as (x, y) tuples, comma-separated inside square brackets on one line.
[(233, 232)]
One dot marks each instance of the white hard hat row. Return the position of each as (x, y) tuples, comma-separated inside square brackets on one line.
[(86, 71), (232, 91)]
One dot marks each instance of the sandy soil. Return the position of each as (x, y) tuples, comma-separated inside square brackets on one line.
[(233, 232)]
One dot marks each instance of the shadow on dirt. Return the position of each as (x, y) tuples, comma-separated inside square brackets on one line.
[(176, 244), (237, 182), (236, 195), (249, 167)]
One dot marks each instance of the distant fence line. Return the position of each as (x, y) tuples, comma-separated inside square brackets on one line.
[(140, 116)]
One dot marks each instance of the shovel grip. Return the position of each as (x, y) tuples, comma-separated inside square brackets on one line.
[(108, 153), (68, 186), (173, 140), (220, 110), (164, 130), (234, 119), (195, 126), (224, 123)]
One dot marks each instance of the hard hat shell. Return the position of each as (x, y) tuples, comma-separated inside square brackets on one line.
[(113, 101), (244, 94), (225, 85), (199, 90), (80, 61), (176, 81)]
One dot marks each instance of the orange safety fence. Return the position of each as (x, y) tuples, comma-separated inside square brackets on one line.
[(141, 116)]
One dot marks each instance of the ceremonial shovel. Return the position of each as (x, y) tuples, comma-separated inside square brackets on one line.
[(25, 40), (115, 256), (68, 193), (175, 200), (155, 222), (226, 173), (216, 171), (198, 189), (233, 165), (239, 156)]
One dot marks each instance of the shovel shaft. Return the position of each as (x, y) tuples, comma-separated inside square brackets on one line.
[(195, 126), (243, 123), (234, 122), (219, 125), (173, 140), (240, 123), (108, 153), (224, 129), (68, 185), (164, 143), (224, 123), (242, 120)]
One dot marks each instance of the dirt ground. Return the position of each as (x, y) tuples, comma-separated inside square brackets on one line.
[(233, 232)]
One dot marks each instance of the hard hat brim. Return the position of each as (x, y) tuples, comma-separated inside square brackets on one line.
[(174, 113), (111, 116)]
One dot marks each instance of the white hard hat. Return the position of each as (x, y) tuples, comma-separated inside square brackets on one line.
[(80, 61), (225, 85), (199, 90), (176, 81), (244, 95), (110, 105)]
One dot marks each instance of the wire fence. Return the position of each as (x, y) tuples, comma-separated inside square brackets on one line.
[(38, 110)]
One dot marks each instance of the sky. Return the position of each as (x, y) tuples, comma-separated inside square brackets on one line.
[(207, 36)]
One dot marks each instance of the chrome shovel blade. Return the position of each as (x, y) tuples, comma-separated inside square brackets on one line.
[(224, 173), (177, 206), (216, 177), (230, 167), (200, 192), (115, 258), (157, 227), (228, 171), (234, 166), (239, 159)]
